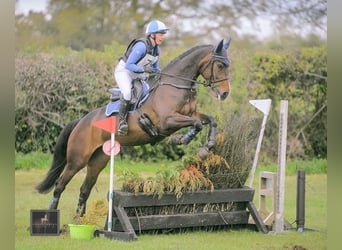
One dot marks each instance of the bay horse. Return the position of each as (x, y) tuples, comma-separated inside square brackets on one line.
[(170, 107)]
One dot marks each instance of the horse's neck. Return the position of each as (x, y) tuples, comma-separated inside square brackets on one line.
[(186, 67)]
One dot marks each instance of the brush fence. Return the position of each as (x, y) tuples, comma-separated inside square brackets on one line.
[(136, 213)]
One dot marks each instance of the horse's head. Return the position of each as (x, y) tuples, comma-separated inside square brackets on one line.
[(214, 68)]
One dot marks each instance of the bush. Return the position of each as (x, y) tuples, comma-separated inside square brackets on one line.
[(300, 78), (227, 167), (51, 91)]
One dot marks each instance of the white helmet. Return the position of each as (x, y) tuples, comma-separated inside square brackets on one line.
[(156, 26)]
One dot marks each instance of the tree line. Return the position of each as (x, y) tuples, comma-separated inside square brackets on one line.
[(93, 24)]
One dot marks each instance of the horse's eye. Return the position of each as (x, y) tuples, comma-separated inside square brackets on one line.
[(220, 66)]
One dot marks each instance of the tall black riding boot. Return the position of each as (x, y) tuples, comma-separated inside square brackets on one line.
[(123, 126)]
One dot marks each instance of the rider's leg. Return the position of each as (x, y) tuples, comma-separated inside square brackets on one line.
[(123, 126), (124, 82)]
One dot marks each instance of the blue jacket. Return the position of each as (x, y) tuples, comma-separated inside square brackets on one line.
[(136, 51)]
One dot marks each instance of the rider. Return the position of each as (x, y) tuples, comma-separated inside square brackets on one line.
[(141, 57)]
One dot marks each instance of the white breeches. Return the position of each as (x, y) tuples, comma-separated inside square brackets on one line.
[(124, 80)]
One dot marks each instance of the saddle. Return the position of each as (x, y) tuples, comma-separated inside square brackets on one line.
[(140, 93)]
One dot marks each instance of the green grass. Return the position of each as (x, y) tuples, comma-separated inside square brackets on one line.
[(39, 160), (34, 160), (315, 166), (27, 198)]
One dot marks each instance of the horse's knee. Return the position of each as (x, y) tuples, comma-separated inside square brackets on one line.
[(212, 121), (198, 125)]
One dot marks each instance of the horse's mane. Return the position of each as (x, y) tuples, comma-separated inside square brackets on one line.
[(178, 58)]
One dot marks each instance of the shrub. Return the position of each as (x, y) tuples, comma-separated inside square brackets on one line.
[(227, 167), (51, 91)]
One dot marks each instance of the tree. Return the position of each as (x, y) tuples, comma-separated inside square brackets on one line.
[(292, 15), (300, 78), (93, 23)]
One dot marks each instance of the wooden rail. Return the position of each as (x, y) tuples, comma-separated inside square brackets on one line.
[(241, 200)]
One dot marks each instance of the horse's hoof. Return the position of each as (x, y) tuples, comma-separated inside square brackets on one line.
[(203, 153), (175, 139)]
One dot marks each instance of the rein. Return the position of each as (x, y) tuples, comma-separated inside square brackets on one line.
[(184, 86), (206, 83)]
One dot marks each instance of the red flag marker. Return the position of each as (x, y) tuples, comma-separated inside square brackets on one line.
[(108, 124)]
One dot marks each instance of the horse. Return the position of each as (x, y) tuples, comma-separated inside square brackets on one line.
[(170, 106)]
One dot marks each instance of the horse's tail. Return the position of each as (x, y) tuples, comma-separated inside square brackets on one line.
[(59, 159)]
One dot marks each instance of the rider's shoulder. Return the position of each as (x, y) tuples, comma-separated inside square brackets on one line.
[(139, 43)]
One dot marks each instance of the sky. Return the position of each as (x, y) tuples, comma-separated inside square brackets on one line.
[(24, 6)]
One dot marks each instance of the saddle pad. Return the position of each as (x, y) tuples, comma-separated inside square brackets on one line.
[(113, 107)]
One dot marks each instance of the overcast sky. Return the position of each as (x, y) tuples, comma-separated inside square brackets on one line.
[(24, 6)]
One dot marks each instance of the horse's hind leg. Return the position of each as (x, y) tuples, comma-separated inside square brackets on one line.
[(71, 169), (96, 164)]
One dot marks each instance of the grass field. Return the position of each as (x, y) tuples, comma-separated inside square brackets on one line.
[(27, 198)]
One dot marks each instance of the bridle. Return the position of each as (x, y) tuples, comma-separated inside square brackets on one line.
[(207, 83), (212, 82)]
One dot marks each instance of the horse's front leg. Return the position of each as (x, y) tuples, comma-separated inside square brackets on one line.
[(211, 140), (203, 152), (197, 122), (191, 133), (179, 121)]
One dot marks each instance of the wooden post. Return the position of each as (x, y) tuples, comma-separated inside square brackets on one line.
[(279, 218), (267, 188), (300, 212)]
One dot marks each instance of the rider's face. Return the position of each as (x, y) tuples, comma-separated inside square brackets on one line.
[(158, 38)]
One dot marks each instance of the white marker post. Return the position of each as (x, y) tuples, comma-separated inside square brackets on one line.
[(109, 125), (111, 182), (264, 106), (280, 196), (111, 148)]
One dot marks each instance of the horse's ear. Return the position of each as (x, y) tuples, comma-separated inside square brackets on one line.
[(226, 44), (219, 47)]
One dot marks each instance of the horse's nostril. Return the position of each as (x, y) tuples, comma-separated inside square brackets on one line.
[(224, 95)]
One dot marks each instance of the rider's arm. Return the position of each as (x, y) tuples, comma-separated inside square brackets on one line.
[(138, 52)]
